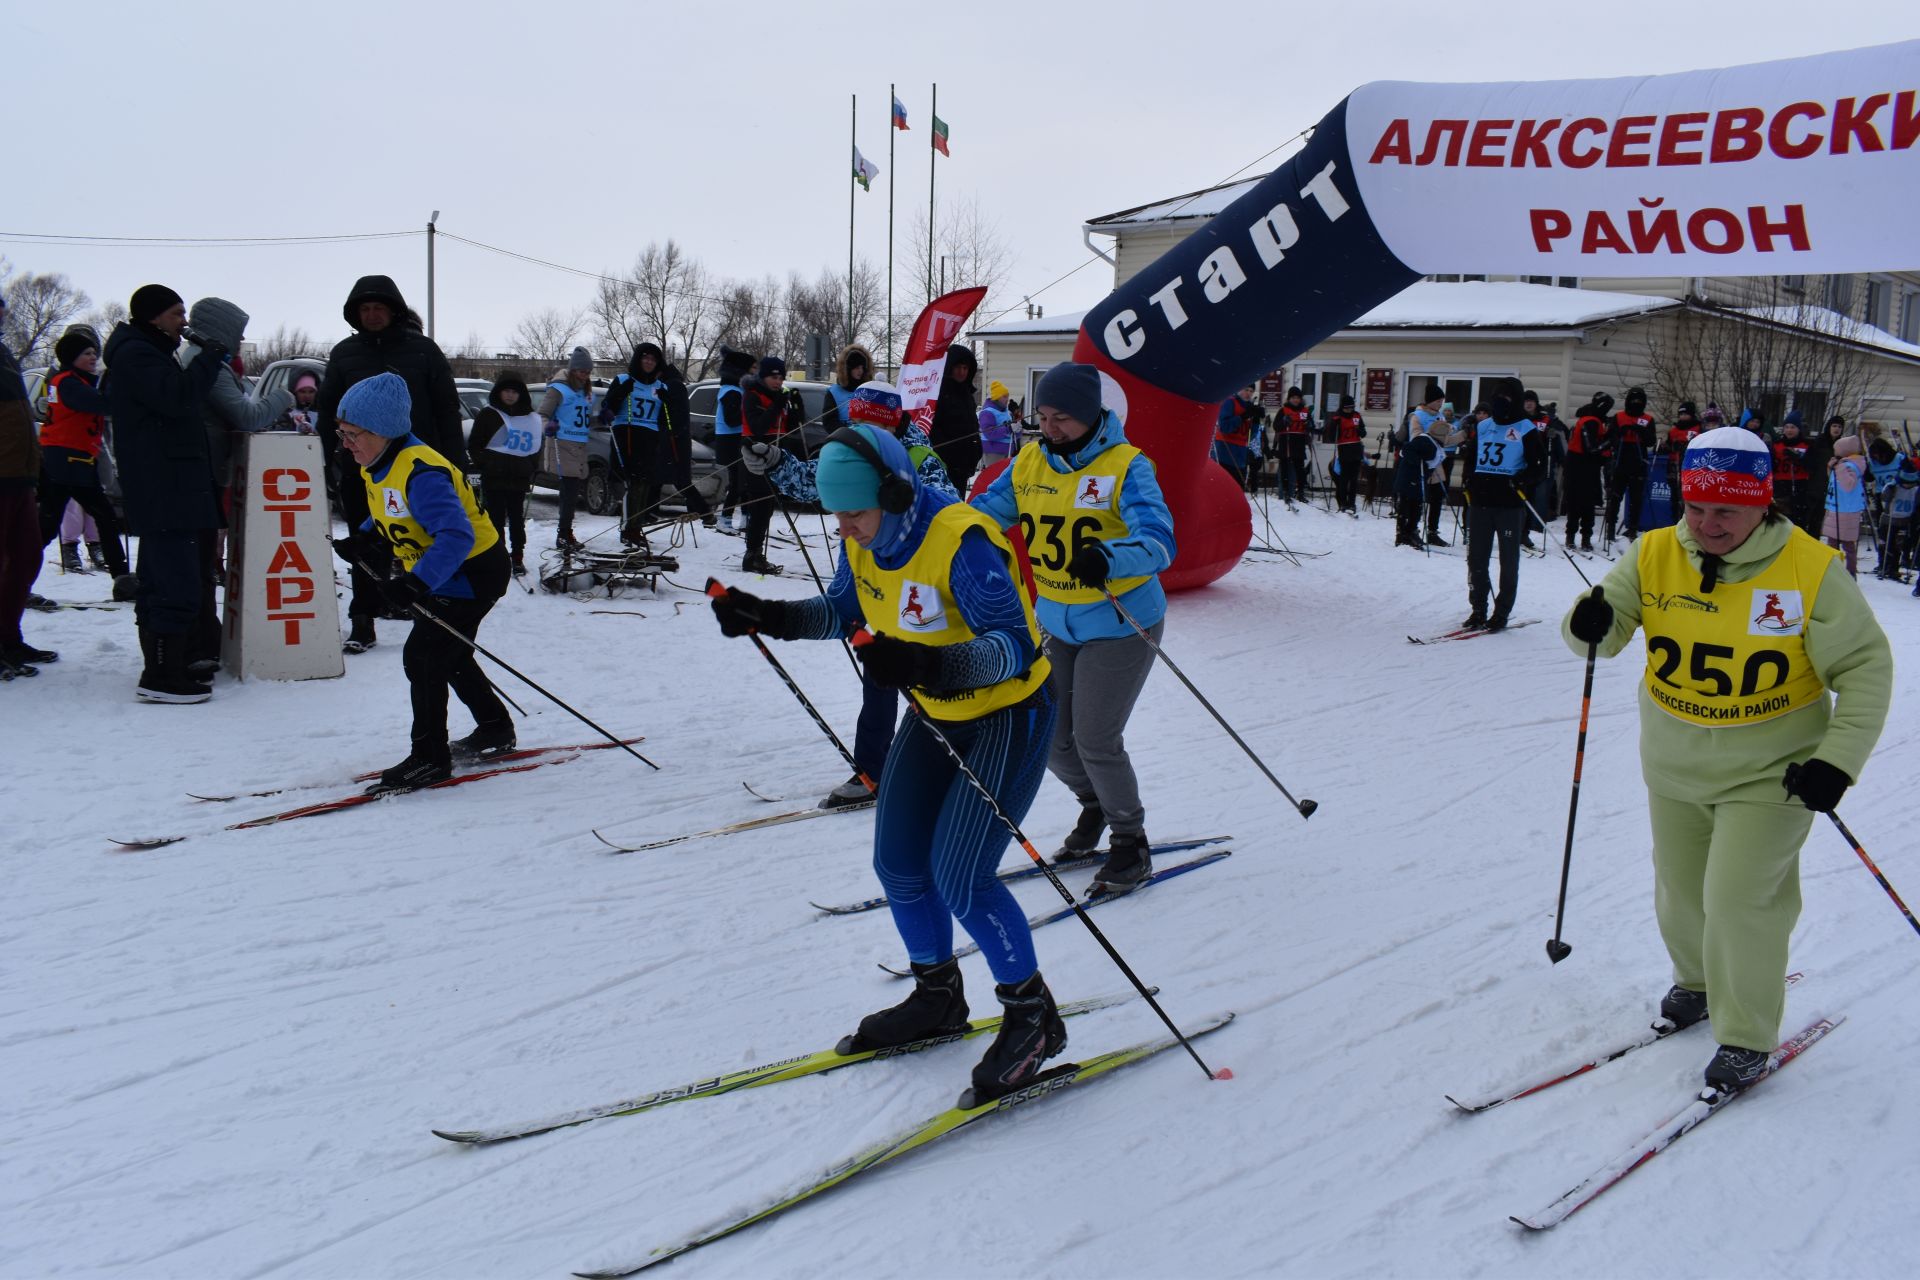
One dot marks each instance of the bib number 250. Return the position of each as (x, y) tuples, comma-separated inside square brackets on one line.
[(1703, 671)]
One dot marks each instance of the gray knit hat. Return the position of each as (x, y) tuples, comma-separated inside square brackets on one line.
[(580, 361)]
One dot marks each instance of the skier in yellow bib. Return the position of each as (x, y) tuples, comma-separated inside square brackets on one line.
[(453, 563), (1749, 626), (933, 580)]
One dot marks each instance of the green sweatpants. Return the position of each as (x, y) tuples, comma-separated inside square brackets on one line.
[(1727, 894)]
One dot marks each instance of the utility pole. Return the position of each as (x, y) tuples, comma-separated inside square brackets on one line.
[(430, 233)]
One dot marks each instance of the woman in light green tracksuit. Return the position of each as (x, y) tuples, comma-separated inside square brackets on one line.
[(1750, 626)]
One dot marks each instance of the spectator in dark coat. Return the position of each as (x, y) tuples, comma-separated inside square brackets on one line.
[(677, 465), (387, 338), (956, 419), (166, 481), (20, 545)]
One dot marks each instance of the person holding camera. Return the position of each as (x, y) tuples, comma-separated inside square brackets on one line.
[(1767, 685)]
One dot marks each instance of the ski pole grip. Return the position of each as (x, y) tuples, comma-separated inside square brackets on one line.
[(714, 589), (862, 638)]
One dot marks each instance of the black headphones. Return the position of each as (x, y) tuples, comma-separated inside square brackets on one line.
[(896, 494)]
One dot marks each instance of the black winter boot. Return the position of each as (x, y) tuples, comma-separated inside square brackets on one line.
[(1030, 1033), (937, 1007), (1680, 1008), (166, 678), (360, 636), (1475, 620), (96, 556), (1734, 1069), (1085, 836), (1129, 862), (70, 559), (485, 741)]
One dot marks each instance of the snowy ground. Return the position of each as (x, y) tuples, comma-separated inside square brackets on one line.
[(222, 1058)]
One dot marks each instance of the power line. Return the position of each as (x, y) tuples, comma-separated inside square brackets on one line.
[(192, 242)]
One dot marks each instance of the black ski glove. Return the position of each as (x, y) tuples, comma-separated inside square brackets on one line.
[(1090, 566), (1592, 618), (899, 664), (363, 545), (743, 614), (1818, 784), (405, 591)]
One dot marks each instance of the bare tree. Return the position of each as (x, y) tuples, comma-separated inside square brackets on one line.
[(104, 318), (546, 336), (665, 299), (286, 344), (976, 252), (38, 308), (1778, 351)]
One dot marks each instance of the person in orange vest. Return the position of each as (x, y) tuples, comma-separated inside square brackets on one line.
[(1290, 429), (1233, 432), (1588, 449), (70, 451), (1348, 430), (1633, 439)]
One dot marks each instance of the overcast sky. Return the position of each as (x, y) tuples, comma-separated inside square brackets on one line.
[(579, 132)]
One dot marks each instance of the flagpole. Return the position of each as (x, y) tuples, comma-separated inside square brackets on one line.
[(933, 165), (891, 130), (853, 143)]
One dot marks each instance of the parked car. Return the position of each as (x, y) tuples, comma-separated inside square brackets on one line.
[(701, 396), (603, 488), (278, 376)]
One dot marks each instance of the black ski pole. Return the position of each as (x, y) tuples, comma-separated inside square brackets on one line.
[(1556, 949), (1861, 850), (864, 637), (480, 649), (1548, 530), (714, 591), (1306, 807)]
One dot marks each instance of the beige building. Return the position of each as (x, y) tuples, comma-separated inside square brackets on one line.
[(1821, 344)]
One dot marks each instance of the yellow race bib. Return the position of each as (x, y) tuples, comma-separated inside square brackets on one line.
[(387, 502), (915, 602), (1060, 513), (1737, 654)]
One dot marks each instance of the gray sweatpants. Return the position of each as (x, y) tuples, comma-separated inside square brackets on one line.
[(1095, 685)]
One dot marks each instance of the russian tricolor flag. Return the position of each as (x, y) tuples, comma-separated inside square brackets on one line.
[(899, 115)]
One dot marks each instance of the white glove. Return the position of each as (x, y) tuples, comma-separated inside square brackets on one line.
[(758, 456)]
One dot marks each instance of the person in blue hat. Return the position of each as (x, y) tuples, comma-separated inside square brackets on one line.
[(933, 581), (452, 564)]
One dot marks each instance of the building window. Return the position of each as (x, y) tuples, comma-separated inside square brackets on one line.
[(1879, 304), (1547, 280), (1794, 284), (1840, 294), (1910, 317), (1569, 282)]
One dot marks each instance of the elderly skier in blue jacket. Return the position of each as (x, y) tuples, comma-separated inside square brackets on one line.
[(1095, 521)]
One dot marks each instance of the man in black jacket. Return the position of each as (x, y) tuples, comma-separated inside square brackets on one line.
[(166, 480), (387, 338), (955, 435)]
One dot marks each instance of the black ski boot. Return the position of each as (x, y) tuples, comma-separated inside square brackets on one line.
[(852, 791), (425, 765), (1475, 621), (1498, 622), (937, 1007), (520, 564), (70, 559), (1734, 1070), (1030, 1033), (486, 741), (1085, 836), (96, 555), (1680, 1008), (360, 636), (756, 562), (1129, 861)]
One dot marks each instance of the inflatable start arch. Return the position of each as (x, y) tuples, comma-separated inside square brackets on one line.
[(1804, 165)]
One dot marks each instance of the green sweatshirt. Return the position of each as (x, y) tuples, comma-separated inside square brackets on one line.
[(1848, 651)]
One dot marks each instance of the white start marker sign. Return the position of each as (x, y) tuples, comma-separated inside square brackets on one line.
[(282, 618)]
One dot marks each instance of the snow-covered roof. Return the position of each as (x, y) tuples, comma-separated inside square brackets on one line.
[(1476, 304), (1067, 322), (1199, 205), (1834, 325)]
